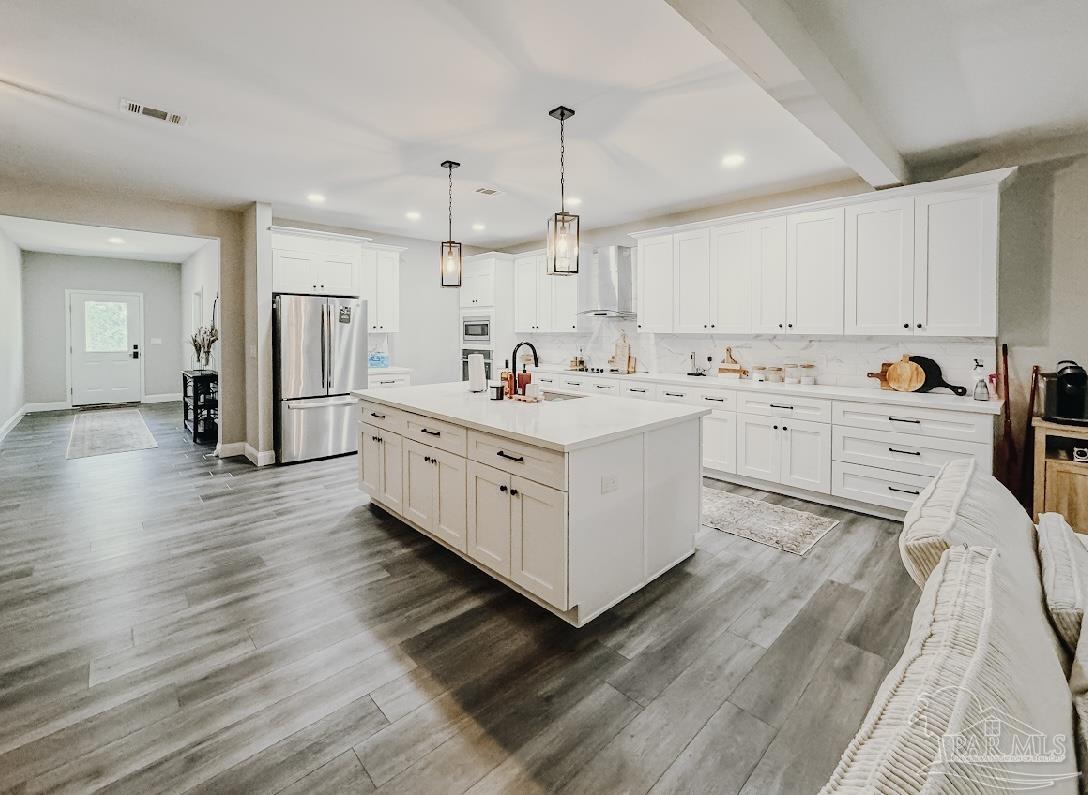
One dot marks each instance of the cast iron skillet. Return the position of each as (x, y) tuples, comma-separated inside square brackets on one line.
[(934, 379)]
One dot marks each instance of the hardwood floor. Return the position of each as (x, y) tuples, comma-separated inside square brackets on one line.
[(171, 622)]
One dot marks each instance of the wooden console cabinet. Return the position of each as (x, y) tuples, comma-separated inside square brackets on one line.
[(1061, 484)]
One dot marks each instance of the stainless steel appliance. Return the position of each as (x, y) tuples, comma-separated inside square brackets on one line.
[(1065, 393), (476, 329), (606, 288), (464, 361), (319, 353)]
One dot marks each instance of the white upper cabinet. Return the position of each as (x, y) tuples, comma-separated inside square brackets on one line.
[(564, 302), (768, 276), (955, 264), (655, 284), (478, 283), (526, 293), (814, 272), (385, 308), (880, 267), (543, 303), (691, 282), (732, 261)]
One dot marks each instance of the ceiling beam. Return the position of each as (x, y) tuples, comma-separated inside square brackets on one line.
[(767, 41)]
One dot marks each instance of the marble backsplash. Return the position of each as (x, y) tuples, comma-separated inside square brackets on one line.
[(839, 361)]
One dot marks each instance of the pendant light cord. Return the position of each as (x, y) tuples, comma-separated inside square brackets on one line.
[(451, 203), (562, 169)]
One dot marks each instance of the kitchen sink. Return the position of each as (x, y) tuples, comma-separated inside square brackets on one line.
[(560, 396)]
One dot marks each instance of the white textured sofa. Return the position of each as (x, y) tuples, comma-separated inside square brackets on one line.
[(984, 695)]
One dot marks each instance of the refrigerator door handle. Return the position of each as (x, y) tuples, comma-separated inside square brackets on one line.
[(324, 353), (328, 346)]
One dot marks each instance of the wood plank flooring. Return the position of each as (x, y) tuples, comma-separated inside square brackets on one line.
[(170, 622)]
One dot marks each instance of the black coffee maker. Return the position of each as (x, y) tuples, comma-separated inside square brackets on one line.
[(1065, 394)]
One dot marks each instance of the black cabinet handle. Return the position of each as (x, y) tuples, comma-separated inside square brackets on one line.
[(379, 416), (517, 459), (901, 419), (632, 389), (906, 325), (502, 488), (427, 458), (602, 386), (790, 325), (780, 325), (785, 428), (674, 394), (429, 432), (776, 406), (513, 492), (776, 427), (903, 491), (903, 452), (716, 400)]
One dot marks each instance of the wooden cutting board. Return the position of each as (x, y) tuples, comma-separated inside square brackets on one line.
[(882, 375), (906, 376)]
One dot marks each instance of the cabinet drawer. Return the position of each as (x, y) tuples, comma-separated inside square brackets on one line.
[(573, 383), (382, 381), (547, 379), (676, 394), (437, 433), (640, 390), (800, 408), (877, 486), (942, 423), (602, 387), (904, 452), (390, 419), (535, 463), (717, 399)]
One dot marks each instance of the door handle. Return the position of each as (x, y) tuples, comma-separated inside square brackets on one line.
[(429, 432), (324, 352), (517, 459), (503, 488), (377, 415), (513, 492), (135, 351)]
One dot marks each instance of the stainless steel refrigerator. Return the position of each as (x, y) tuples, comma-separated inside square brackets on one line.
[(319, 354)]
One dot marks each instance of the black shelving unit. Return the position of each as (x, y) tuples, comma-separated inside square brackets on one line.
[(200, 404)]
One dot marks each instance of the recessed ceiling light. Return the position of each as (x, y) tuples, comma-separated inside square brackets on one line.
[(573, 201), (315, 198), (733, 160), (412, 215), (478, 227), (115, 240)]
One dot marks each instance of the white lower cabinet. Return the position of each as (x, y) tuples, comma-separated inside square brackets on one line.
[(720, 441), (434, 492), (791, 452), (420, 484), (877, 486), (380, 465), (538, 540), (489, 517)]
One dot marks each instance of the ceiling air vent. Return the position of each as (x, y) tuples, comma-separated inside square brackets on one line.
[(155, 113), (487, 190)]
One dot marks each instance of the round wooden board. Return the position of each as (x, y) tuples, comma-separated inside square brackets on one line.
[(906, 376)]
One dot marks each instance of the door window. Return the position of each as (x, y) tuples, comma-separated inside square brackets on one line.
[(105, 326)]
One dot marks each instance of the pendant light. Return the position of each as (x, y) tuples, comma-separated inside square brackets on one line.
[(450, 260), (562, 226)]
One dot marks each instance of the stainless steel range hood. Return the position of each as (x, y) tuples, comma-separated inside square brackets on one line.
[(606, 285)]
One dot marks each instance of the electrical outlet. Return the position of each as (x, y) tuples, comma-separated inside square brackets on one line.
[(608, 484)]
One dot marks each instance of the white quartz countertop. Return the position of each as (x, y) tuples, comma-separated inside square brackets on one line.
[(562, 425), (935, 400)]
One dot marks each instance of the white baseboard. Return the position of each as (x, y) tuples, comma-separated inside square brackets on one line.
[(231, 449), (261, 458), (31, 408), (12, 421), (171, 397)]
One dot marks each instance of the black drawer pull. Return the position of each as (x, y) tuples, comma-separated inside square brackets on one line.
[(379, 416), (429, 432), (515, 458), (604, 386), (674, 394), (903, 452), (632, 389), (574, 383), (387, 382), (901, 419), (776, 406), (716, 400), (903, 491)]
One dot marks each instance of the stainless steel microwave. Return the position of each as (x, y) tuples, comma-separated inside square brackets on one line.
[(475, 330)]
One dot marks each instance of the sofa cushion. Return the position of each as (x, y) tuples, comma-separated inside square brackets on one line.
[(1064, 562), (970, 674), (965, 504)]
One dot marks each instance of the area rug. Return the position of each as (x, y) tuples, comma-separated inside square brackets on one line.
[(773, 525), (103, 431)]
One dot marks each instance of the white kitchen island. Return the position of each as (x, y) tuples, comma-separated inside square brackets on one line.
[(574, 503)]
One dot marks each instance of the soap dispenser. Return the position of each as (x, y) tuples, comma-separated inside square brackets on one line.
[(981, 390)]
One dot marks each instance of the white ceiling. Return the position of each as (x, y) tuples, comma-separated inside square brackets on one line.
[(944, 77), (54, 237), (361, 100)]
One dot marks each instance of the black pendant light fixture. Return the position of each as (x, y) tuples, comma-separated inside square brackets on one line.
[(562, 226), (450, 262)]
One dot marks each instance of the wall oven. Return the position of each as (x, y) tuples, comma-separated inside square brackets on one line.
[(464, 361), (476, 330)]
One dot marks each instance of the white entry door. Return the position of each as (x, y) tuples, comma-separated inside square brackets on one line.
[(107, 347)]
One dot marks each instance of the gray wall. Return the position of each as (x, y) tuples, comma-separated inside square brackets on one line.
[(47, 276), (11, 331)]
